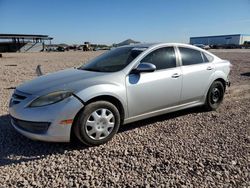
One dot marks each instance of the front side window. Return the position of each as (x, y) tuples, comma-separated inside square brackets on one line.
[(114, 60), (162, 58), (190, 56)]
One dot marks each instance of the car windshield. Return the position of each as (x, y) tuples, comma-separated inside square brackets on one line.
[(114, 60)]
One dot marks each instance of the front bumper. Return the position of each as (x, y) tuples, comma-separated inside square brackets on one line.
[(45, 123), (29, 126)]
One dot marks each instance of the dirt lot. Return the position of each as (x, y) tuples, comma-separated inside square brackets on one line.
[(191, 148)]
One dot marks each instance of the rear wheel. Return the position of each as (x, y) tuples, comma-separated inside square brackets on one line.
[(215, 95), (98, 123)]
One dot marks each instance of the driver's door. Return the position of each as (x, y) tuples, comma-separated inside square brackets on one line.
[(149, 92)]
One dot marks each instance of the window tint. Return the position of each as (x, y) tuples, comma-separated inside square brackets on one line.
[(190, 56), (162, 58)]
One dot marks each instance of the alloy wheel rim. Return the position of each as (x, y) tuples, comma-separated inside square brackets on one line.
[(100, 124)]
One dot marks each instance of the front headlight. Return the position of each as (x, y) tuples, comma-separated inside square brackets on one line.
[(50, 98)]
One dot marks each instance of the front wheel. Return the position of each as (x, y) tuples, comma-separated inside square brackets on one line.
[(98, 123), (215, 95)]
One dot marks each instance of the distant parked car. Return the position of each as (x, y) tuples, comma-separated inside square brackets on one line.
[(51, 49), (226, 46), (60, 49), (202, 46), (246, 44), (232, 46), (121, 86)]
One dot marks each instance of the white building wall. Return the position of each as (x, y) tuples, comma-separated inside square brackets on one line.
[(215, 40), (244, 38)]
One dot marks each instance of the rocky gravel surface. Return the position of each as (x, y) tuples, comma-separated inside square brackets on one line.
[(190, 148)]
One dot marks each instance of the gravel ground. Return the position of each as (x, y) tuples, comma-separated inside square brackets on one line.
[(190, 148)]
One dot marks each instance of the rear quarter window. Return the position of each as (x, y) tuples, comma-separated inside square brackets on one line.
[(207, 57)]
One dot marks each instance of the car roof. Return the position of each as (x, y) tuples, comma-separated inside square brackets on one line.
[(155, 45), (149, 45)]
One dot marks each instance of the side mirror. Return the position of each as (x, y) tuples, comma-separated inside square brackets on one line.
[(144, 67)]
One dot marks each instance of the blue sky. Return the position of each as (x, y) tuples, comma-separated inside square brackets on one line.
[(112, 21)]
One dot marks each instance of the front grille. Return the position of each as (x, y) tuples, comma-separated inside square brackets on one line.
[(18, 97), (30, 126)]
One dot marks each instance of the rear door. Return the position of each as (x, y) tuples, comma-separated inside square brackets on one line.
[(197, 68)]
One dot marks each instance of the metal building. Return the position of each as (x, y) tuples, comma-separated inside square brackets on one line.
[(236, 39), (23, 42)]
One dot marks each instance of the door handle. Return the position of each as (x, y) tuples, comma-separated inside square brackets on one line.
[(210, 68), (176, 75)]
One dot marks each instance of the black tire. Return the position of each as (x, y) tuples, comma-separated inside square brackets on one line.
[(215, 95), (81, 129)]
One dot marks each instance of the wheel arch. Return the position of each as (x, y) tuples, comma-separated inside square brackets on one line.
[(217, 76), (115, 101), (207, 103), (222, 81)]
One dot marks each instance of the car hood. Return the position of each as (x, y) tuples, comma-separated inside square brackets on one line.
[(69, 79)]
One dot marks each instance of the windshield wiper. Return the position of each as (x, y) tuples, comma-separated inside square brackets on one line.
[(90, 69)]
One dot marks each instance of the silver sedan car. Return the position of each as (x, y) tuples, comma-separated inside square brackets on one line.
[(121, 86)]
